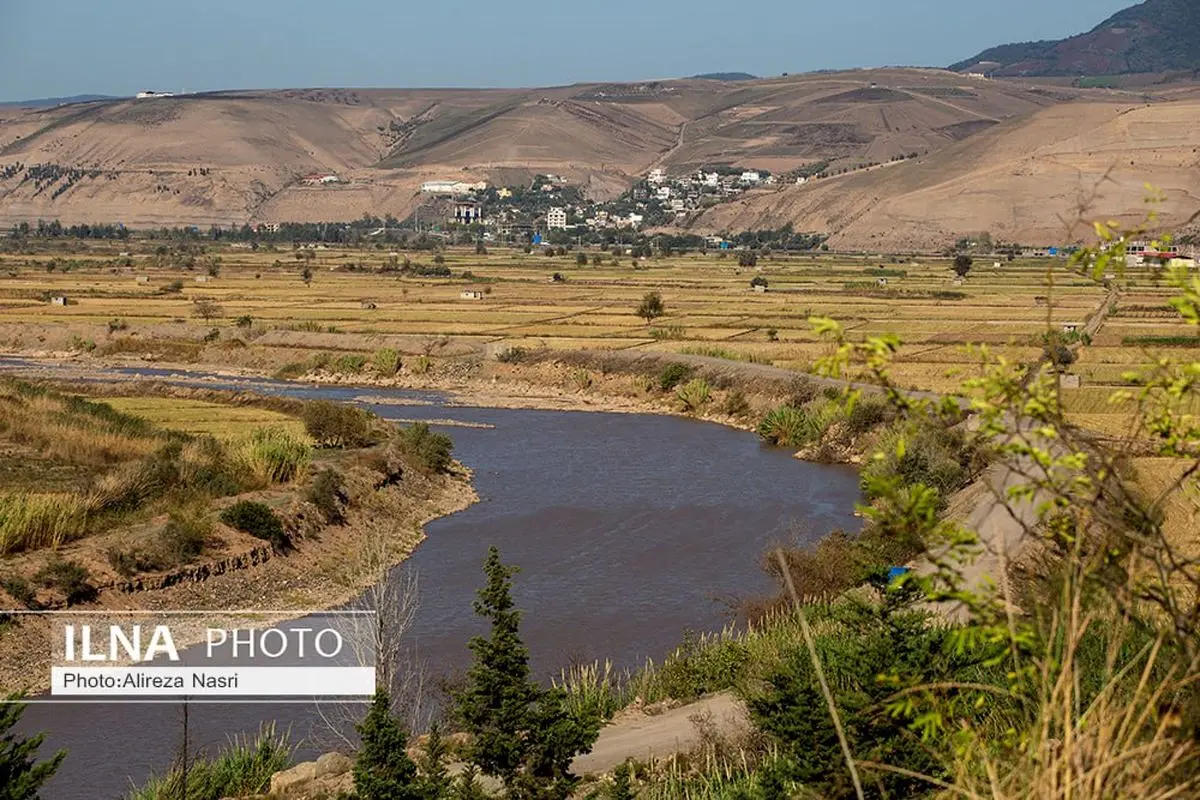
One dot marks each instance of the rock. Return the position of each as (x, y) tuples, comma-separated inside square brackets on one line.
[(325, 777), (289, 779), (333, 764)]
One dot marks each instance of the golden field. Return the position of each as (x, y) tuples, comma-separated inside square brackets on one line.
[(711, 308)]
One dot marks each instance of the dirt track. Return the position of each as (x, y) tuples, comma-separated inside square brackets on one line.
[(641, 737)]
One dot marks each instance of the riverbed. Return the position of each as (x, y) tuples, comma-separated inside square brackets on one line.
[(629, 530)]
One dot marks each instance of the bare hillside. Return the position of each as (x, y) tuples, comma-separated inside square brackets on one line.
[(231, 158), (1021, 181)]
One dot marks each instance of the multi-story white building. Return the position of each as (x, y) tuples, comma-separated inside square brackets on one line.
[(556, 219)]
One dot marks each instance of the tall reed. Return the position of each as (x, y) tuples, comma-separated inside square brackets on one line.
[(274, 455), (244, 767)]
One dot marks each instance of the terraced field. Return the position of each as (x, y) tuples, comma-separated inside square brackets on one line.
[(711, 308)]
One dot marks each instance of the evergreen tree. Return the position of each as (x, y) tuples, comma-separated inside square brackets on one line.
[(383, 770), (20, 773), (467, 787), (435, 781), (521, 733)]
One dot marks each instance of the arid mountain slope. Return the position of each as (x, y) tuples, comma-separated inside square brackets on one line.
[(1022, 181), (241, 157)]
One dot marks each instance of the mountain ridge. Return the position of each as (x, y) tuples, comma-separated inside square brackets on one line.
[(1153, 36)]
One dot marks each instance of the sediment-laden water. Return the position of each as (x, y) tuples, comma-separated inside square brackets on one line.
[(629, 530)]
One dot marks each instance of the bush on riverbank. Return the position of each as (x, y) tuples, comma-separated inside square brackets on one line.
[(333, 424), (258, 520), (422, 449), (244, 767)]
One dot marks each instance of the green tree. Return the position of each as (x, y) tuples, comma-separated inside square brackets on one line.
[(21, 775), (963, 264), (651, 307), (436, 782), (521, 733), (383, 770)]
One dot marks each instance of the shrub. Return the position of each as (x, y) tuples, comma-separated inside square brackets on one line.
[(328, 493), (245, 321), (117, 324), (735, 404), (421, 365), (212, 336), (423, 449), (667, 332), (694, 394), (274, 455), (772, 335), (128, 563), (20, 590), (801, 390), (788, 426), (258, 520), (868, 412), (673, 374), (747, 258), (386, 361), (512, 355), (187, 533), (69, 577), (337, 425), (924, 453), (581, 259), (759, 280), (582, 379), (243, 768), (348, 364), (29, 521)]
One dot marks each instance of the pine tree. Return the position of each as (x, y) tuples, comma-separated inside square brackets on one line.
[(435, 780), (467, 786), (521, 733), (383, 770), (20, 774)]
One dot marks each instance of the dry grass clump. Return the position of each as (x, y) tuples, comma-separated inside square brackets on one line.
[(31, 521), (273, 455)]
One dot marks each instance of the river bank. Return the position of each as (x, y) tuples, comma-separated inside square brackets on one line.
[(323, 566), (738, 394)]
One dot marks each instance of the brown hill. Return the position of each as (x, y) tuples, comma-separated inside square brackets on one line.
[(1023, 181), (241, 157)]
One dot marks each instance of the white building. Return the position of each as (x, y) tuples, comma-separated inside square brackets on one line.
[(452, 187), (657, 175), (750, 176), (556, 219), (664, 193), (712, 179), (147, 95)]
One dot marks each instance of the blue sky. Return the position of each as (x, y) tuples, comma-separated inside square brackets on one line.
[(66, 47)]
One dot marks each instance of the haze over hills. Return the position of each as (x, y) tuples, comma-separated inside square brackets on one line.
[(1005, 156), (1154, 36)]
